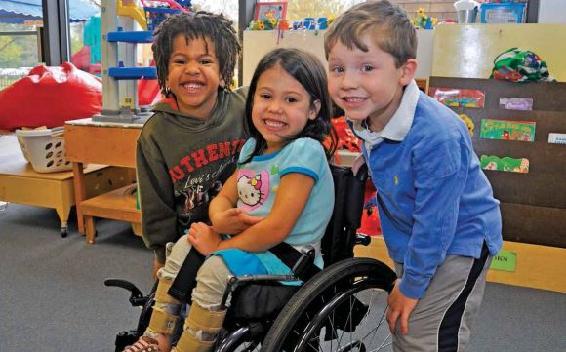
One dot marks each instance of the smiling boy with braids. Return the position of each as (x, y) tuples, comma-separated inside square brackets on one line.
[(190, 142)]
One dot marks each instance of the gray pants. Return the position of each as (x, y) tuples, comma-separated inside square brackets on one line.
[(442, 319), (212, 277)]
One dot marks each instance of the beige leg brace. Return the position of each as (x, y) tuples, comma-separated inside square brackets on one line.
[(162, 321), (203, 322)]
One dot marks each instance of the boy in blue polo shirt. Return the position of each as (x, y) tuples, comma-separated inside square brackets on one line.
[(441, 223)]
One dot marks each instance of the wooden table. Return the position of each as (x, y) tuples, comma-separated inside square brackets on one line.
[(20, 184), (105, 143)]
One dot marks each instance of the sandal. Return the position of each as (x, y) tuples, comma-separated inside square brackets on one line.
[(144, 344)]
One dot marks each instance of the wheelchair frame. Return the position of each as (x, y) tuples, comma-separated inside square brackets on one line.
[(341, 279)]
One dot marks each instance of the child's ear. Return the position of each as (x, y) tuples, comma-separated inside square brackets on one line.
[(314, 110), (222, 83), (408, 71)]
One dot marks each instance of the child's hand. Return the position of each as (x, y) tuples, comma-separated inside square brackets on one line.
[(400, 306), (234, 221), (203, 238)]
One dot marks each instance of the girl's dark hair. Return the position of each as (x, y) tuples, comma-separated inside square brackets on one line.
[(200, 25), (310, 73)]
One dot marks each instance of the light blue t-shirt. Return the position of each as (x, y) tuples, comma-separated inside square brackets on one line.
[(258, 182)]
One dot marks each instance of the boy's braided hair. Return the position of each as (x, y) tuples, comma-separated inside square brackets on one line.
[(212, 28), (388, 25)]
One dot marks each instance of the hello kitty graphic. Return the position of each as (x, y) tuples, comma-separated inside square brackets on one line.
[(252, 188)]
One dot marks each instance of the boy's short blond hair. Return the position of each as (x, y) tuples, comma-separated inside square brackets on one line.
[(388, 24)]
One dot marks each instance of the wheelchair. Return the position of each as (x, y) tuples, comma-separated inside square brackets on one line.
[(341, 308)]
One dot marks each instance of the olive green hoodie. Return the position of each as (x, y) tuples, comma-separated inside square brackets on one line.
[(181, 164)]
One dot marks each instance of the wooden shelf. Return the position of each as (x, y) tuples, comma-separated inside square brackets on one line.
[(87, 141), (119, 204)]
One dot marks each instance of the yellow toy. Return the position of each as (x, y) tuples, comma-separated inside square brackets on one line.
[(469, 123), (129, 8)]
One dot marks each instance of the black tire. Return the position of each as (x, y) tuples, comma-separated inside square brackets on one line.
[(314, 319), (238, 340)]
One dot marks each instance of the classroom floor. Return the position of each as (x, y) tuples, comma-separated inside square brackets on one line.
[(52, 296)]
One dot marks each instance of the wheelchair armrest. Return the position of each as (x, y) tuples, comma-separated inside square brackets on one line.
[(237, 281), (136, 297), (362, 239)]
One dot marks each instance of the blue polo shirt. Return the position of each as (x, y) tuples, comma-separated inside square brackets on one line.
[(433, 198)]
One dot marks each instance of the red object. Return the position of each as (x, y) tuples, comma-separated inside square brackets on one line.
[(49, 96), (148, 91), (346, 138), (81, 59), (370, 224)]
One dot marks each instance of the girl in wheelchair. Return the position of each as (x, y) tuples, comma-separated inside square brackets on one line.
[(282, 191)]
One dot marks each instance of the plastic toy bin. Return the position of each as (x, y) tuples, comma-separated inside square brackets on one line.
[(44, 149)]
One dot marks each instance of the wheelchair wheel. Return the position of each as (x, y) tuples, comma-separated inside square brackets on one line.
[(342, 308), (239, 340)]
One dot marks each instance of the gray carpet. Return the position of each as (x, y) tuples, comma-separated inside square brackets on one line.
[(52, 296)]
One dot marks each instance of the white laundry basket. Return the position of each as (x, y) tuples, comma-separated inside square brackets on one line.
[(44, 149)]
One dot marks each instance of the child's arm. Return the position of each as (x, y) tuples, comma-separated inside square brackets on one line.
[(225, 217), (159, 221), (290, 201), (399, 308)]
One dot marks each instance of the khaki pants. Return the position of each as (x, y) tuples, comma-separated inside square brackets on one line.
[(442, 319), (212, 277)]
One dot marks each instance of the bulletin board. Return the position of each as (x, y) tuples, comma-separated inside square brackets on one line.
[(533, 204)]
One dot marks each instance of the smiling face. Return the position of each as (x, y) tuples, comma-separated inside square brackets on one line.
[(194, 76), (366, 84), (281, 107)]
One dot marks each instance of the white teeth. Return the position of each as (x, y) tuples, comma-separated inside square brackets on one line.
[(353, 99), (192, 85), (272, 123)]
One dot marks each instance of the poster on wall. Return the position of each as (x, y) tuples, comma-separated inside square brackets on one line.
[(508, 130), (270, 10), (505, 164), (454, 97)]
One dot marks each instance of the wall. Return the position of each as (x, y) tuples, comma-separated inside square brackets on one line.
[(552, 11), (468, 51), (258, 43)]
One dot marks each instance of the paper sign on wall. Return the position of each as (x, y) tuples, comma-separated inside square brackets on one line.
[(505, 164), (508, 130), (504, 261), (516, 103), (557, 138), (468, 98)]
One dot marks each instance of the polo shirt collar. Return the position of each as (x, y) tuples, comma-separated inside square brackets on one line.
[(398, 126)]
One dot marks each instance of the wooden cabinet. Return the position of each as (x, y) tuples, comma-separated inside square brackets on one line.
[(108, 144)]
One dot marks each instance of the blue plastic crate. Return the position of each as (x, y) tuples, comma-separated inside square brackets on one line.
[(155, 15), (510, 12)]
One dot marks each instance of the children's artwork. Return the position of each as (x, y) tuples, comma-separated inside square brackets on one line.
[(467, 98), (508, 130), (516, 103), (505, 164), (557, 138), (469, 123), (270, 11)]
